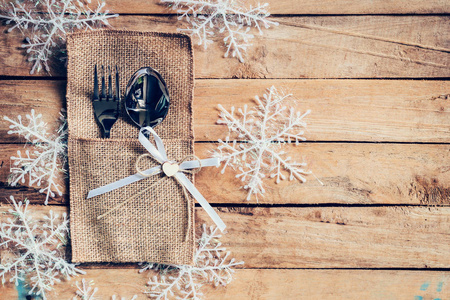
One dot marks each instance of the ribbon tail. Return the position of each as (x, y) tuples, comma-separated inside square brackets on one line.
[(193, 164), (200, 199), (123, 182)]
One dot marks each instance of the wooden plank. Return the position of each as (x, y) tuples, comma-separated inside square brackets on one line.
[(303, 47), (331, 237), (276, 284), (306, 7), (351, 174), (20, 97), (342, 110), (337, 237)]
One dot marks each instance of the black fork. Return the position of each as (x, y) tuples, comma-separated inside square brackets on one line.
[(106, 107)]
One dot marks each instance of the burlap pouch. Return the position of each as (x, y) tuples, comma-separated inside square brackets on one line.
[(151, 228)]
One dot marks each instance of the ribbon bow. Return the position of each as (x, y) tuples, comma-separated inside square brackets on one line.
[(159, 154)]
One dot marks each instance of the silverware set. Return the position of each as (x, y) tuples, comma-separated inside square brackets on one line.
[(146, 98)]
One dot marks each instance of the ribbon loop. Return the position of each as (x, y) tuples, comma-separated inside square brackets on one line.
[(159, 153)]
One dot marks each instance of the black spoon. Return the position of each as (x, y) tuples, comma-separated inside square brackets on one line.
[(147, 98)]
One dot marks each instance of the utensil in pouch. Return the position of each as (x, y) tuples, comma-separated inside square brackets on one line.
[(106, 107), (147, 98)]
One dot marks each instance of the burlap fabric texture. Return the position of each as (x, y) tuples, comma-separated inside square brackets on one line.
[(151, 228)]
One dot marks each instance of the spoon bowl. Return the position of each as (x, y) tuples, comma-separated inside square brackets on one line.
[(147, 98)]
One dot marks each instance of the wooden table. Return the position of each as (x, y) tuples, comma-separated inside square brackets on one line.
[(375, 75)]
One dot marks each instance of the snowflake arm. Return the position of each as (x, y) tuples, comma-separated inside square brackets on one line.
[(237, 41), (231, 153), (165, 287), (201, 27), (294, 121), (295, 169), (43, 165), (254, 178), (242, 127), (85, 291)]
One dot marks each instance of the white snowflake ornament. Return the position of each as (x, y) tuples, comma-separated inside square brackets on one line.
[(86, 291), (33, 252), (264, 130), (45, 24), (228, 17), (211, 266), (45, 163)]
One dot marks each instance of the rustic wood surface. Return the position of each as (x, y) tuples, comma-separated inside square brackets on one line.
[(306, 7), (303, 47), (392, 174), (329, 237), (381, 219), (272, 284), (342, 110)]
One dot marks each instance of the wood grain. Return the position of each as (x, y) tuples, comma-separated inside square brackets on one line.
[(330, 237), (337, 237), (20, 97), (277, 242), (342, 110), (305, 7), (275, 284), (351, 174), (411, 111), (303, 47)]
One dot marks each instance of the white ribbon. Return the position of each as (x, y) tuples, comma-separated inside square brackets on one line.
[(159, 153)]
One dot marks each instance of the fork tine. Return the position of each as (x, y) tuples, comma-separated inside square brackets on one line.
[(117, 96), (103, 96), (95, 84), (110, 94)]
